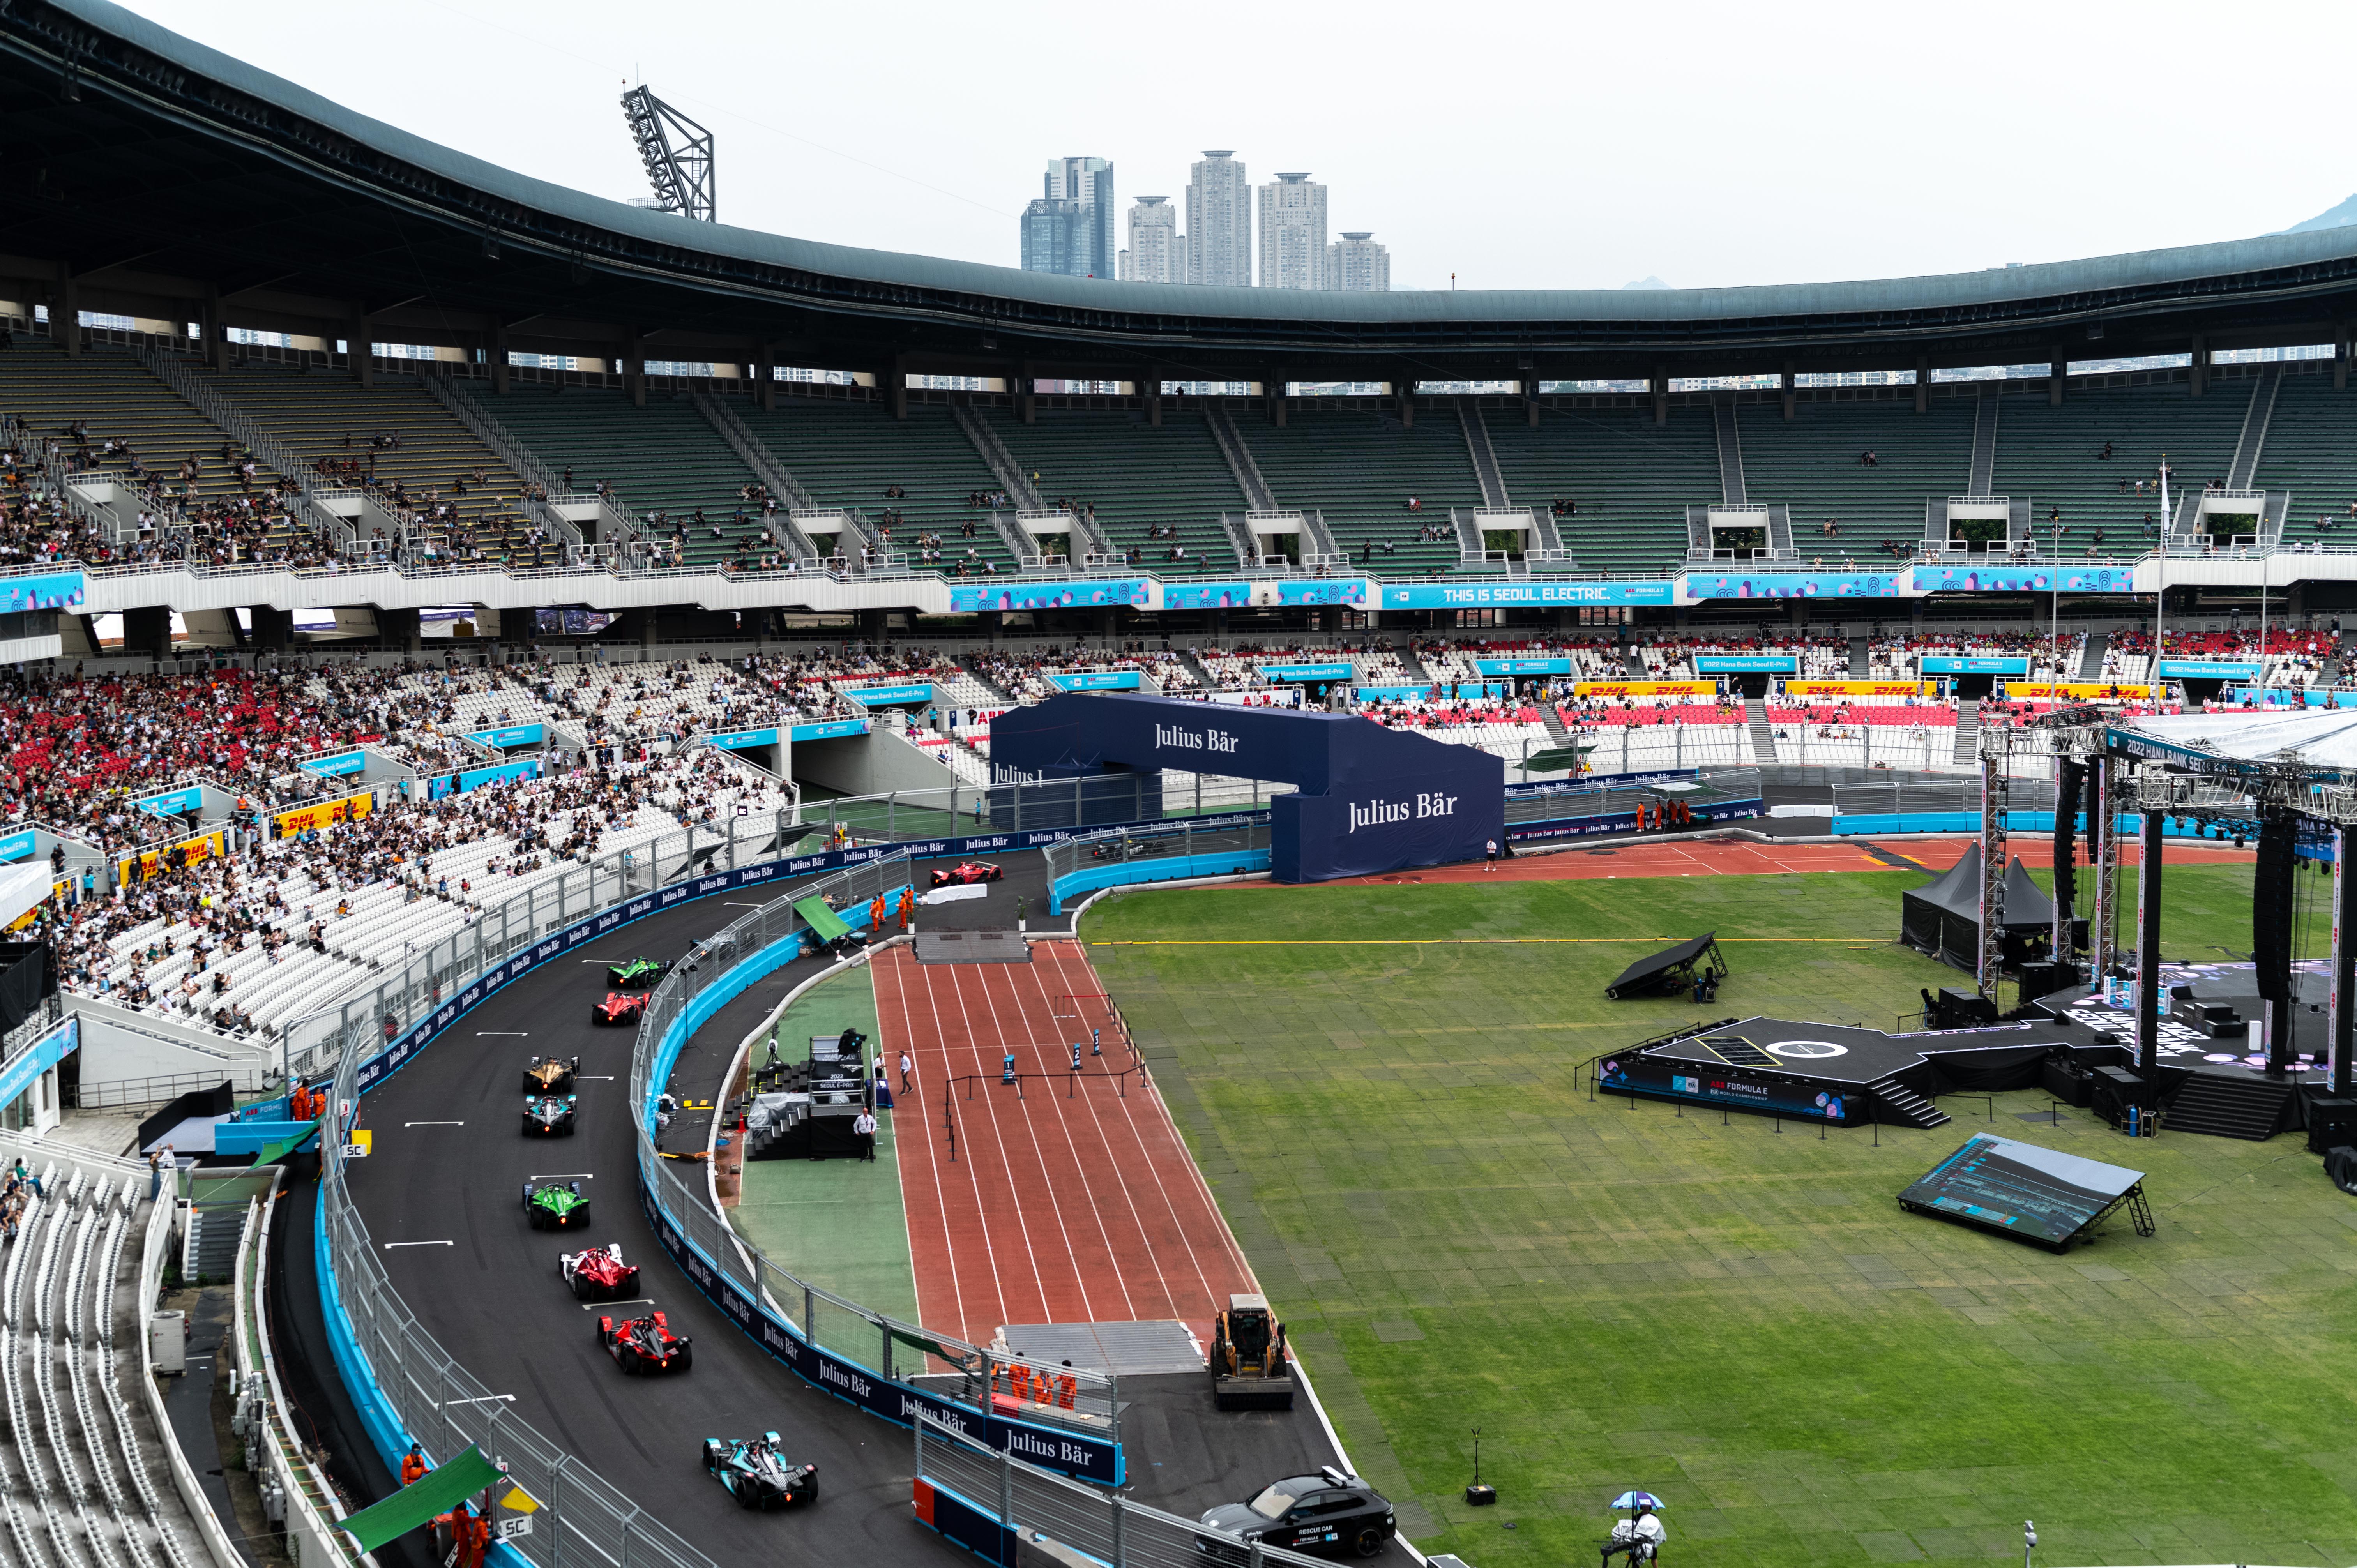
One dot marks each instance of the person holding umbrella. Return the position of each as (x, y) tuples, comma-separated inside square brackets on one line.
[(1640, 1534)]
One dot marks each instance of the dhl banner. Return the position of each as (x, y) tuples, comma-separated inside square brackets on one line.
[(2078, 692), (187, 851), (1645, 689), (1860, 688), (350, 809)]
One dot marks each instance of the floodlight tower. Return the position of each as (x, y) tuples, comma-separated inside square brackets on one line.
[(677, 153)]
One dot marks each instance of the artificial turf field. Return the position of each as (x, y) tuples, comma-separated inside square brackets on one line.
[(1379, 1084)]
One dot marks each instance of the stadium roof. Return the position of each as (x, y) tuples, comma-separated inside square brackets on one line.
[(152, 168)]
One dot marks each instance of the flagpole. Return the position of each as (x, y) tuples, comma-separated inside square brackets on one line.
[(2160, 593)]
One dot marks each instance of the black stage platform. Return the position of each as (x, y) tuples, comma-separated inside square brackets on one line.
[(2080, 1048)]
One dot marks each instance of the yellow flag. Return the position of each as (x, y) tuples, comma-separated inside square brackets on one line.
[(517, 1500)]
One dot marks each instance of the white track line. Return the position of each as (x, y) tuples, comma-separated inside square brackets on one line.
[(1080, 1167), (1007, 1161)]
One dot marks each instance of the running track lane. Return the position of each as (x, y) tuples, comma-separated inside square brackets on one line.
[(1058, 1210)]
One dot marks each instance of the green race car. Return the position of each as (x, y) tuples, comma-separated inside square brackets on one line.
[(556, 1204), (635, 975)]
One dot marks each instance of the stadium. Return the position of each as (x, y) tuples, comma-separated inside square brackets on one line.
[(1166, 879)]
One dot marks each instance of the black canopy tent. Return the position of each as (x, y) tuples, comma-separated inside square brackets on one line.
[(1942, 917), (1672, 968)]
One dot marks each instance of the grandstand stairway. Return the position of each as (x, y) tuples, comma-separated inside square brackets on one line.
[(1780, 532), (1861, 658), (1968, 732), (1635, 662), (1982, 479), (2020, 525), (1763, 733), (213, 1236), (781, 484), (1730, 455), (1258, 497), (1551, 721), (2091, 660), (2244, 468), (1485, 457), (1895, 1103), (2229, 1107)]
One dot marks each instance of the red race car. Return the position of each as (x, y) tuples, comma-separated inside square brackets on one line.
[(966, 872), (644, 1345), (619, 1007), (599, 1273)]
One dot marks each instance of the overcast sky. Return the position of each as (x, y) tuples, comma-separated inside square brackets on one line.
[(1512, 145)]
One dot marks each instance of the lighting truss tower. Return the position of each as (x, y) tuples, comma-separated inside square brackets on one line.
[(677, 153)]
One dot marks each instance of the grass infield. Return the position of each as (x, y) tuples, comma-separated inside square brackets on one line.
[(1380, 1085)]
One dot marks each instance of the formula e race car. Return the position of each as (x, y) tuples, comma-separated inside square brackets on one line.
[(639, 974), (619, 1007), (969, 871), (550, 1075), (556, 1206), (644, 1345), (756, 1475), (548, 1115), (599, 1273)]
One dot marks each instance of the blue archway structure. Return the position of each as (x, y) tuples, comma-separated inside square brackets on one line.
[(1368, 799)]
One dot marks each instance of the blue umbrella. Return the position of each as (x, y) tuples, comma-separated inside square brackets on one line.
[(1636, 1501)]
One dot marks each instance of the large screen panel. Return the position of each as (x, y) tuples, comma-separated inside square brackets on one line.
[(2020, 1189)]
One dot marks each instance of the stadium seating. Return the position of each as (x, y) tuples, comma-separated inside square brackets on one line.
[(2308, 452), (1140, 479), (119, 400), (1630, 479), (847, 454), (1359, 468), (675, 475), (2049, 454), (1810, 464), (323, 417), (79, 1472)]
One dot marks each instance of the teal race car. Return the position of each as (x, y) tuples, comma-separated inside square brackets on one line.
[(556, 1206), (636, 975)]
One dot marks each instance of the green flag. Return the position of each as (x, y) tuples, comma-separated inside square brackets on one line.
[(435, 1492)]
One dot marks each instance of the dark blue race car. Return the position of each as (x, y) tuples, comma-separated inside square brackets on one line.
[(756, 1475)]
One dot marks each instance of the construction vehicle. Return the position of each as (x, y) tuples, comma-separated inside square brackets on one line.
[(1249, 1369)]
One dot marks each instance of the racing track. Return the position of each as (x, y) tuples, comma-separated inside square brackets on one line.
[(494, 1299)]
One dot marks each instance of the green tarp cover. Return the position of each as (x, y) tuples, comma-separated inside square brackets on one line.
[(271, 1153), (822, 920), (433, 1494)]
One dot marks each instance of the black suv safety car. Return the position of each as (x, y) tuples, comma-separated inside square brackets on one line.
[(1328, 1512)]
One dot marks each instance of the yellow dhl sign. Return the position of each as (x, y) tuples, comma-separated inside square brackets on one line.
[(1860, 688), (350, 809), (2079, 691), (187, 851), (1645, 689)]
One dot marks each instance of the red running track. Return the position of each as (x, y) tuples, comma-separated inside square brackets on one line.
[(1080, 1210)]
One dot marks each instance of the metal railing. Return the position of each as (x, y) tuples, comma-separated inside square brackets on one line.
[(1176, 840)]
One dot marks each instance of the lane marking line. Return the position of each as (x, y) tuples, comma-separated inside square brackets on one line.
[(388, 1246), (434, 1124)]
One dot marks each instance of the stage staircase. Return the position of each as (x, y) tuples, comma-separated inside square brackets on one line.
[(1895, 1104), (1968, 731), (1763, 733), (2091, 662), (2226, 1106)]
